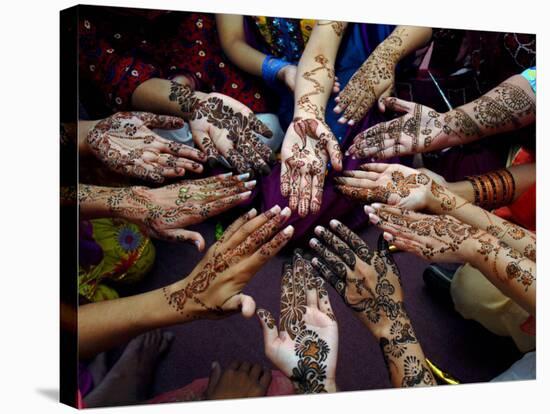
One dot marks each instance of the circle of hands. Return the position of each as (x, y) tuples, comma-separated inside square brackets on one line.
[(305, 345), (125, 143), (307, 146)]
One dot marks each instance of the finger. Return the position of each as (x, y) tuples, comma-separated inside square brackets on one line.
[(356, 243), (262, 235), (311, 286), (287, 295), (294, 193), (245, 367), (162, 121), (265, 152), (359, 108), (248, 227), (339, 247), (255, 372), (299, 274), (204, 142), (356, 193), (242, 302), (285, 180), (333, 148), (182, 235), (214, 194), (357, 177), (323, 298), (259, 127), (182, 151), (305, 194), (398, 105), (334, 262), (382, 98), (233, 227), (237, 161), (269, 329), (405, 244), (216, 207), (254, 158), (215, 375), (377, 167), (317, 195), (273, 247), (265, 379), (327, 274), (144, 171)]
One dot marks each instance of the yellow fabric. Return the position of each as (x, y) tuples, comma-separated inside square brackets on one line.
[(476, 298)]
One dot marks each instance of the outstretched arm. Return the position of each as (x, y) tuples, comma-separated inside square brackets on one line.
[(507, 107), (375, 79), (309, 142), (211, 291)]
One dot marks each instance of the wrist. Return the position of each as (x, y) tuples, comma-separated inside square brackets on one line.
[(180, 311)]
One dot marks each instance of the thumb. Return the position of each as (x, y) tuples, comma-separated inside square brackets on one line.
[(181, 235), (241, 302), (269, 327), (165, 122), (215, 375), (397, 105), (382, 98)]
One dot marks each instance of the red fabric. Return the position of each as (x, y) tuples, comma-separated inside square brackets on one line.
[(119, 49)]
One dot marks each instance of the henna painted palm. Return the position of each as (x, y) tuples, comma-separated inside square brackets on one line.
[(305, 346), (420, 129), (439, 238), (396, 185), (375, 79), (368, 280), (165, 212), (307, 146), (213, 289), (222, 126), (125, 143)]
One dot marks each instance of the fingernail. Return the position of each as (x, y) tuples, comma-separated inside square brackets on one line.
[(275, 209), (334, 222), (342, 120), (226, 175), (288, 230), (252, 213), (197, 243), (243, 177), (388, 237), (337, 109), (313, 242), (285, 212), (369, 209), (352, 122), (250, 184), (246, 195), (214, 365), (318, 230), (373, 219), (347, 153), (180, 171), (376, 205)]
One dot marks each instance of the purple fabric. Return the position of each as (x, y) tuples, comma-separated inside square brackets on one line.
[(462, 348), (90, 253), (85, 380)]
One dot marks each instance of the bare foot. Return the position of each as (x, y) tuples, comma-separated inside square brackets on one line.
[(239, 380), (129, 381)]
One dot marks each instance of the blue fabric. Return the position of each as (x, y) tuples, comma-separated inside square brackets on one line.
[(271, 67)]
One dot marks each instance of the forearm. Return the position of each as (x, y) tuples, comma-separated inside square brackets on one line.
[(403, 41), (443, 201), (107, 324), (402, 353), (162, 96), (510, 271), (232, 38), (315, 74), (509, 106)]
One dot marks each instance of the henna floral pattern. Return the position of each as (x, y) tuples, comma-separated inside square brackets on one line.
[(310, 371), (225, 127)]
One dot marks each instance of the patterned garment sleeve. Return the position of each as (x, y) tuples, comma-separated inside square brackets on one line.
[(116, 76), (531, 75)]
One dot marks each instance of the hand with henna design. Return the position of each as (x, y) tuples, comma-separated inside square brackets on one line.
[(305, 346), (165, 212), (396, 185), (125, 143), (223, 127), (307, 146), (420, 129), (213, 289), (369, 283)]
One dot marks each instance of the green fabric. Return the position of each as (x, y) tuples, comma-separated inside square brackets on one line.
[(128, 255)]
